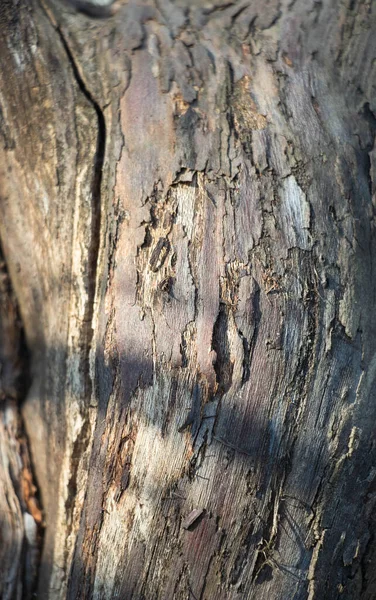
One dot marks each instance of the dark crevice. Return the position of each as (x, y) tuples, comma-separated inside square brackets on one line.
[(223, 365), (246, 358), (249, 347)]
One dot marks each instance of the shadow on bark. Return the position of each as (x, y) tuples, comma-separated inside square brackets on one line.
[(216, 445)]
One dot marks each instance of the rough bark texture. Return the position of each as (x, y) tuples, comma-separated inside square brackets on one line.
[(187, 220), (20, 514)]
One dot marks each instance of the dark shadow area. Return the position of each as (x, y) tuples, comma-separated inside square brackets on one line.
[(239, 444)]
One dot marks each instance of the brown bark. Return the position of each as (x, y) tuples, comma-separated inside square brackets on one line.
[(20, 514), (188, 224)]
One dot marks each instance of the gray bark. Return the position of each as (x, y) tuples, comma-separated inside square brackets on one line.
[(188, 223)]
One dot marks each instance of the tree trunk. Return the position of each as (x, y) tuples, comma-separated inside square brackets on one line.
[(188, 227)]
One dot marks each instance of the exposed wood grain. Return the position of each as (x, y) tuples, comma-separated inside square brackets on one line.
[(188, 191)]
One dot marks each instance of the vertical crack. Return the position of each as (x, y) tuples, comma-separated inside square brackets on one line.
[(223, 365), (96, 184), (93, 255), (87, 331), (98, 164)]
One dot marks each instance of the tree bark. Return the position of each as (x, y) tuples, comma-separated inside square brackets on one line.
[(188, 224)]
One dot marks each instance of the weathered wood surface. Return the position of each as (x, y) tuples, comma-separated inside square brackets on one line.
[(187, 220), (20, 514)]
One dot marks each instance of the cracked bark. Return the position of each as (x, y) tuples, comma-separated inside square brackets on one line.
[(187, 217)]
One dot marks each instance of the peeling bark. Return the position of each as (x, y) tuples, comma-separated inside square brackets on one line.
[(187, 217)]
